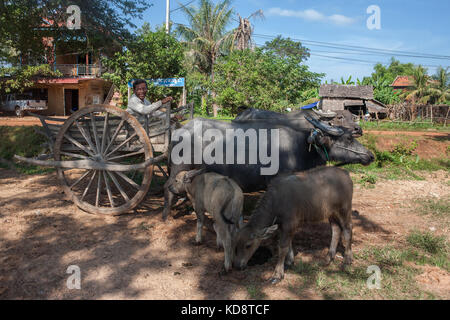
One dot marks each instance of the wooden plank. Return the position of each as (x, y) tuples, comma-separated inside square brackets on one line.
[(92, 165)]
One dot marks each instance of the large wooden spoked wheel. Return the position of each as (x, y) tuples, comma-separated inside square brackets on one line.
[(107, 135)]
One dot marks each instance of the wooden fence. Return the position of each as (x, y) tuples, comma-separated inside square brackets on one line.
[(411, 112)]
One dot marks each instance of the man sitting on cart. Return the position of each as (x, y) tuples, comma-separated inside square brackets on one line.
[(139, 106)]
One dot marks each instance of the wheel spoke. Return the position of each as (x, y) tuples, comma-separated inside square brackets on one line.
[(127, 155), (116, 183), (122, 144), (105, 128), (77, 144), (86, 137), (89, 185), (94, 129), (79, 179), (119, 127), (99, 186), (124, 177), (108, 190)]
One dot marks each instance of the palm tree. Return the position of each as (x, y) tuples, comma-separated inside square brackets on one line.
[(206, 36), (440, 90), (421, 89), (242, 38)]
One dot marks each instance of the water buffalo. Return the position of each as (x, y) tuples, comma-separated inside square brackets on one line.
[(293, 200), (290, 151), (219, 196), (296, 119)]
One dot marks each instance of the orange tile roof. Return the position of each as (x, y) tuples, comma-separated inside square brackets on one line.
[(403, 81)]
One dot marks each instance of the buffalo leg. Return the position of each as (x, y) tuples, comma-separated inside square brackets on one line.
[(279, 269), (290, 256), (219, 239), (168, 202), (347, 235), (283, 250), (335, 236), (200, 220), (228, 248)]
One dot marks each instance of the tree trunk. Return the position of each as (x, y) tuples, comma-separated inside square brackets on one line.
[(213, 93)]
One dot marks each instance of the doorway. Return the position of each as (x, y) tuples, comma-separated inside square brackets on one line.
[(71, 101)]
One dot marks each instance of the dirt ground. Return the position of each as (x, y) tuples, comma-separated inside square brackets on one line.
[(12, 121), (137, 256)]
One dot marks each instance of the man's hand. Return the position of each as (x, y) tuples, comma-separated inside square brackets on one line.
[(166, 99)]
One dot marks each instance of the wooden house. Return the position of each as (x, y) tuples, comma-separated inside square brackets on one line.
[(357, 99)]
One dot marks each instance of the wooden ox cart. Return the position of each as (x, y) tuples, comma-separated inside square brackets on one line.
[(105, 157)]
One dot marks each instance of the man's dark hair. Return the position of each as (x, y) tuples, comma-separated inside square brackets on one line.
[(139, 81)]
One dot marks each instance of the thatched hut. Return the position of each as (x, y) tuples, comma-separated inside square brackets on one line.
[(357, 99)]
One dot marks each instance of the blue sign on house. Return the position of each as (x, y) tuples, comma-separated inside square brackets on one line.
[(169, 82)]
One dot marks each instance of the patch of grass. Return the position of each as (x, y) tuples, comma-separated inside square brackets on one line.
[(436, 207), (399, 163), (255, 292), (403, 125), (368, 180), (427, 241), (25, 142), (397, 279)]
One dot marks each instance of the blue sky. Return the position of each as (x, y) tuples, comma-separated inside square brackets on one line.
[(414, 26)]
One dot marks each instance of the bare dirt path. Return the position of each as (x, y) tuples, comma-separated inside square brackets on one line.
[(410, 133), (24, 121), (137, 256)]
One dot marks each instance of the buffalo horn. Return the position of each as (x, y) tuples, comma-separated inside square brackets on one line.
[(325, 127)]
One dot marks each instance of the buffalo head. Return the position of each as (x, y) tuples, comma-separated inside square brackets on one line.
[(338, 144), (247, 241)]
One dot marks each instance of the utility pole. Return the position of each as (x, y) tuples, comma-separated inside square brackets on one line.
[(167, 16)]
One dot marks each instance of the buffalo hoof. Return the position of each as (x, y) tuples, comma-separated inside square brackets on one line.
[(196, 243), (327, 261), (223, 271), (348, 261)]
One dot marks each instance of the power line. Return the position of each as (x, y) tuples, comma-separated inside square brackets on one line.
[(367, 62), (363, 49), (182, 6)]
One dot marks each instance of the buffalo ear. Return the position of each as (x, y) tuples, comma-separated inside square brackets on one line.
[(190, 175), (268, 232), (324, 141)]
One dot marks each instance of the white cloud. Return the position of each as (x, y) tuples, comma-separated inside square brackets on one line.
[(311, 15)]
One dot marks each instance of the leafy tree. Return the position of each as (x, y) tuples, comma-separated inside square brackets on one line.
[(395, 68), (287, 48), (382, 91), (151, 55), (440, 90), (264, 80), (421, 89), (206, 36), (17, 79), (24, 24)]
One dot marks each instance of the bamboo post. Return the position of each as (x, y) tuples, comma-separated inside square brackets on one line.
[(431, 114)]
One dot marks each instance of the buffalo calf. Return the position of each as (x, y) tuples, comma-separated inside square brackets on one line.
[(219, 196), (293, 200)]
